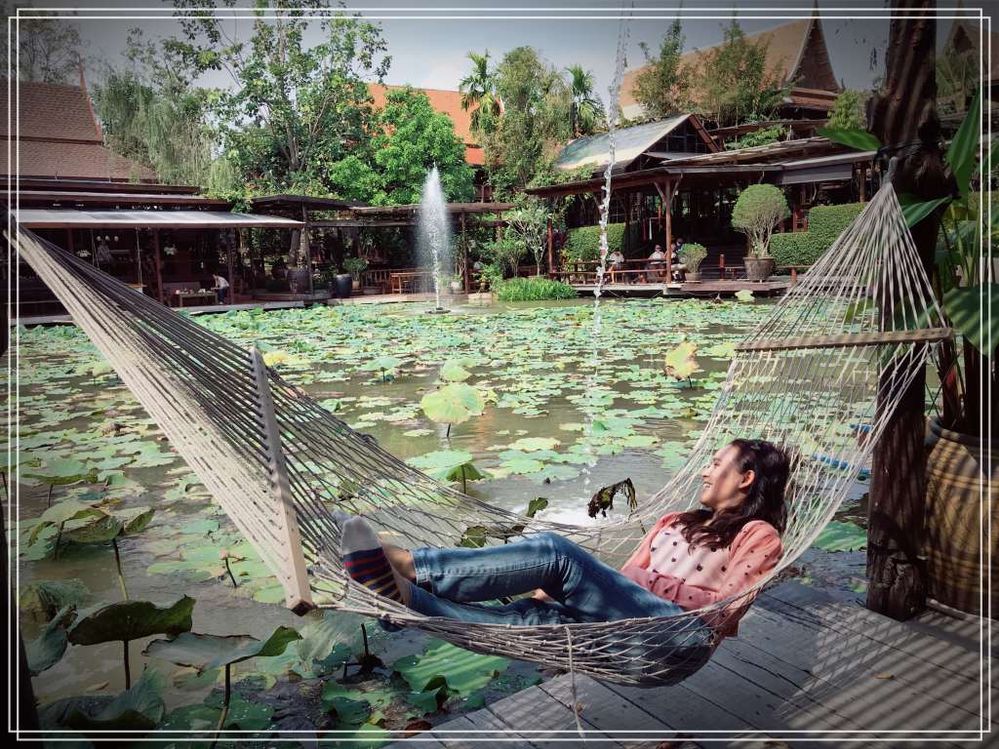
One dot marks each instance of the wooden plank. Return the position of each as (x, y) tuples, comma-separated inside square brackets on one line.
[(477, 730), (871, 685), (534, 709)]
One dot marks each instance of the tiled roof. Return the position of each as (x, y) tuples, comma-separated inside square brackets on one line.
[(74, 161), (59, 136), (629, 143), (445, 102), (785, 45), (52, 112)]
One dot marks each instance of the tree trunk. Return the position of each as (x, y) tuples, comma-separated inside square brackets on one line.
[(904, 112)]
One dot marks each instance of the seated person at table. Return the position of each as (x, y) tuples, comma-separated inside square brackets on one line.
[(657, 261), (615, 262)]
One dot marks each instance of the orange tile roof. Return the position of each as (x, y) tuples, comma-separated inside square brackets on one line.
[(59, 136), (445, 102), (786, 43)]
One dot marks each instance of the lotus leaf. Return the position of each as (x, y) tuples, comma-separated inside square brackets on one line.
[(138, 708), (205, 652), (131, 620), (43, 599), (838, 536), (455, 403), (462, 671), (47, 649), (243, 714), (452, 371), (680, 362)]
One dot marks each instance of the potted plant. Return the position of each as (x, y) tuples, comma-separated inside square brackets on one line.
[(692, 255), (355, 266), (758, 211), (457, 284)]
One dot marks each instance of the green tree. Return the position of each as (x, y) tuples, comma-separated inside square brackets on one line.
[(292, 111), (586, 113), (527, 224), (412, 139), (535, 123), (734, 83), (848, 111), (478, 93), (663, 86), (758, 210), (49, 49)]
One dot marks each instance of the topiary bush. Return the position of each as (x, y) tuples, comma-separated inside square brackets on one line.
[(757, 212), (583, 243), (692, 255), (534, 289), (825, 224)]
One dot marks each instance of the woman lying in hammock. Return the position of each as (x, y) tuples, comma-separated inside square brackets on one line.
[(687, 561)]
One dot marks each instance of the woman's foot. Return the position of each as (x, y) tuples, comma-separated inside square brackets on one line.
[(366, 562)]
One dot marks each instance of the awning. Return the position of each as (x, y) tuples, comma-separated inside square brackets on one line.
[(65, 218)]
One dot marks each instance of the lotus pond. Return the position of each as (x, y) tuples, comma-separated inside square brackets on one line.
[(565, 398)]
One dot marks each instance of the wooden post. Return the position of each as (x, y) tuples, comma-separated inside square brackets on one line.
[(232, 277), (294, 578), (902, 112), (863, 183), (156, 259), (551, 249), (306, 240), (464, 250)]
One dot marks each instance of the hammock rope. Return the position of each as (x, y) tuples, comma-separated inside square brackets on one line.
[(838, 350)]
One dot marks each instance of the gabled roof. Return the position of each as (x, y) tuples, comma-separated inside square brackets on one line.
[(58, 136), (446, 102), (629, 143), (796, 50), (966, 37)]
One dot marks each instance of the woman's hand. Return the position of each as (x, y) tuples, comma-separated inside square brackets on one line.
[(540, 595)]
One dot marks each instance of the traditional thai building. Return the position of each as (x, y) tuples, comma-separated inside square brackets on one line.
[(796, 51)]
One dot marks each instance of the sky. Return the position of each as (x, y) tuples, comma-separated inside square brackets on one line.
[(429, 47)]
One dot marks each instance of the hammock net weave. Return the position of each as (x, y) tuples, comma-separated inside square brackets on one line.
[(823, 374)]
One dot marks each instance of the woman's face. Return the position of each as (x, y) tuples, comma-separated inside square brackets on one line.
[(725, 484)]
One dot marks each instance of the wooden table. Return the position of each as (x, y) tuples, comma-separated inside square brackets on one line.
[(181, 296), (404, 281)]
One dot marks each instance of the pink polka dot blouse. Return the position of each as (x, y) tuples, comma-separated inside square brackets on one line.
[(698, 576)]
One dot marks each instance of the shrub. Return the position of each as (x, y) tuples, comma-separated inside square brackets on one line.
[(825, 224), (691, 255), (583, 243), (534, 289), (506, 252), (757, 212)]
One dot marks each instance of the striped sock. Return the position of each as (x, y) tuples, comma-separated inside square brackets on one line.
[(365, 561)]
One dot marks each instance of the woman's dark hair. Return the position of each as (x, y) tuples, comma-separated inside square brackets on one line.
[(772, 466)]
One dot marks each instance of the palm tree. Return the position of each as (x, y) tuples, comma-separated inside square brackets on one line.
[(586, 112), (478, 89)]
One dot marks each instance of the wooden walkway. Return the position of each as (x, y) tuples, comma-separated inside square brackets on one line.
[(805, 671), (713, 288)]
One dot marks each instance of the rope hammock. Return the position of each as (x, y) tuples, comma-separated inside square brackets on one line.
[(834, 357)]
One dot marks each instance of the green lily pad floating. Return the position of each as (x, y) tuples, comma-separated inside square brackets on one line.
[(680, 362), (61, 472), (530, 444), (449, 465), (47, 649), (455, 403), (461, 670), (387, 365), (43, 599), (837, 536), (131, 620), (452, 371), (137, 709), (338, 699), (244, 714), (205, 652), (744, 295)]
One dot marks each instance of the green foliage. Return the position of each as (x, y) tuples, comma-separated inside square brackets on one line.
[(207, 652), (758, 211), (533, 289), (734, 83), (859, 140), (663, 86), (506, 254), (131, 620), (139, 708), (43, 599), (583, 243), (825, 224), (461, 671), (355, 266), (837, 536), (47, 649), (478, 93), (848, 111), (48, 49), (692, 255), (528, 225), (760, 137), (586, 111), (455, 403)]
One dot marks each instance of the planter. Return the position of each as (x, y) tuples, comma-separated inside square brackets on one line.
[(344, 283), (457, 287), (692, 276), (355, 284), (957, 519), (759, 268), (298, 280)]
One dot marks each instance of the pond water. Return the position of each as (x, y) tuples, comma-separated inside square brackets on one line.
[(576, 399)]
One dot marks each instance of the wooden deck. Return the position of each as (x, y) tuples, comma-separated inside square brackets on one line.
[(805, 671), (723, 288)]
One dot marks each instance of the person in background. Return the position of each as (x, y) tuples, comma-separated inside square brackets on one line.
[(657, 261), (221, 287), (616, 260)]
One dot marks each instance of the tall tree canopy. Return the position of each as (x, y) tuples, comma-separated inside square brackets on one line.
[(663, 86), (586, 113), (733, 82), (410, 139), (293, 112), (536, 120), (49, 49)]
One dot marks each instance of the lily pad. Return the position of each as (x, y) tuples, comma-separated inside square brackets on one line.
[(44, 598), (139, 708), (47, 649), (462, 671), (205, 652), (455, 403), (131, 620), (452, 371), (837, 536)]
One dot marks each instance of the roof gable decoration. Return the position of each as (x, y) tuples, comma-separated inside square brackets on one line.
[(593, 151)]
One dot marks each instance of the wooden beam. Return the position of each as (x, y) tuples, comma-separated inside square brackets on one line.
[(156, 259)]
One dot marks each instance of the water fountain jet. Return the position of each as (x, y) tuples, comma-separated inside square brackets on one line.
[(434, 235)]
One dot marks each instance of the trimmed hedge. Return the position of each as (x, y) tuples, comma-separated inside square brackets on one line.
[(583, 243), (534, 289), (825, 224)]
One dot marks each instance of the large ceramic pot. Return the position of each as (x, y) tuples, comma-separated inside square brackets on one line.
[(344, 284), (957, 519), (759, 268), (692, 276)]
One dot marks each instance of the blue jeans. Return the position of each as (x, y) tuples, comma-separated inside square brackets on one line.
[(453, 583)]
